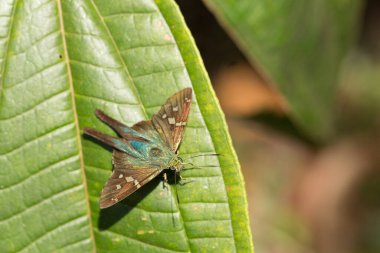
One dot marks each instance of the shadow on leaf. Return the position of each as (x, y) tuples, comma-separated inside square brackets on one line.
[(102, 144)]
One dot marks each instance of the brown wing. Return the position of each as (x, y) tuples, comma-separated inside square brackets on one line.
[(125, 179), (171, 119)]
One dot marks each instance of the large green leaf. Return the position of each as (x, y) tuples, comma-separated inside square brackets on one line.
[(299, 45), (59, 61)]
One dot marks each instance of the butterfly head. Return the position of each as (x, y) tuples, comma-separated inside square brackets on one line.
[(176, 163)]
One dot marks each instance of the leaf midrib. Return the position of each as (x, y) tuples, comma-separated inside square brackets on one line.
[(5, 58), (76, 121)]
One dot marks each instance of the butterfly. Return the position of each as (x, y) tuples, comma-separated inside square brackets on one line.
[(144, 150)]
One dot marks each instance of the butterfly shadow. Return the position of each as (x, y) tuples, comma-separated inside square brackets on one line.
[(105, 146), (111, 215)]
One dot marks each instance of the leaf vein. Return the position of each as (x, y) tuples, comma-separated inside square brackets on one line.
[(74, 221), (41, 202), (4, 63), (104, 100), (115, 15), (76, 122), (171, 70), (39, 172), (92, 65), (81, 241), (30, 142), (36, 42), (148, 46), (40, 103), (144, 243), (25, 79), (119, 55)]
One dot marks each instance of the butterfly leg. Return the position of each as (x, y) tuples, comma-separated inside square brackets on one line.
[(184, 181), (165, 182), (192, 168)]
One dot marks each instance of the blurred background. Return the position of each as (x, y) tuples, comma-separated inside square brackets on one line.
[(299, 82)]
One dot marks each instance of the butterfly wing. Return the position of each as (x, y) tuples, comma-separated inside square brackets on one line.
[(126, 132), (125, 179), (116, 143), (144, 149), (171, 119), (137, 158)]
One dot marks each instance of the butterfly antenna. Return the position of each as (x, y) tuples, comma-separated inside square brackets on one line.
[(200, 167), (197, 167), (212, 154)]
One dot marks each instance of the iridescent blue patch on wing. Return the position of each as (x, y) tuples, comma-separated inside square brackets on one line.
[(142, 147), (138, 145), (124, 147)]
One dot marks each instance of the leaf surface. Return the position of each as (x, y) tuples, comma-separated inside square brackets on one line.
[(60, 60)]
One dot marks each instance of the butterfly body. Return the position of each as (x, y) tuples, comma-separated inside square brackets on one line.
[(145, 149)]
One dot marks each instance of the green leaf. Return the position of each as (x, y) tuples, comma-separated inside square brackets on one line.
[(60, 60), (299, 46), (359, 94)]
